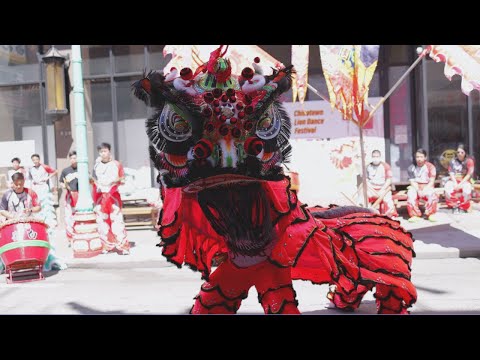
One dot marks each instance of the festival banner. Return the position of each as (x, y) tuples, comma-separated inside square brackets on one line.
[(348, 71), (463, 60)]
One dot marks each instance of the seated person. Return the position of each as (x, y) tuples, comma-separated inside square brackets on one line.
[(19, 201), (379, 181), (460, 170), (422, 176)]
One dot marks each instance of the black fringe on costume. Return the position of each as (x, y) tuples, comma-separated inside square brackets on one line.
[(241, 214)]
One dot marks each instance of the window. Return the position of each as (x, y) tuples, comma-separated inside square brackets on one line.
[(400, 124), (447, 116), (19, 64), (128, 58), (157, 61), (96, 59), (20, 117), (98, 105), (475, 99), (132, 114)]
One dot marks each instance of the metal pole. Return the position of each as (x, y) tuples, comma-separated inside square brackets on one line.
[(317, 93), (85, 202), (364, 167), (425, 142), (394, 87), (470, 125), (43, 117)]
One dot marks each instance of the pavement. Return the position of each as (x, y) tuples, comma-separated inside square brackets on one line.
[(451, 236), (446, 273)]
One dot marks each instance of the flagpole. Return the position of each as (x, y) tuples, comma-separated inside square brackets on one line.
[(394, 87), (317, 93), (364, 167)]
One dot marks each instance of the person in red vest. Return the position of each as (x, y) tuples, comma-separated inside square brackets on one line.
[(108, 175), (422, 176), (379, 181), (461, 170)]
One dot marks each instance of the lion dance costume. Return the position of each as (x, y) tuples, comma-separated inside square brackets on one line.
[(219, 141)]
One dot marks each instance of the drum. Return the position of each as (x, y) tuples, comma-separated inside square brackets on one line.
[(24, 245)]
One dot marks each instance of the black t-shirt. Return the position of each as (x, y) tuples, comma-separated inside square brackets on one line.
[(70, 177)]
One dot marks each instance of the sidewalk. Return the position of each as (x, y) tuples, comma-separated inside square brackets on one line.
[(143, 253), (452, 236)]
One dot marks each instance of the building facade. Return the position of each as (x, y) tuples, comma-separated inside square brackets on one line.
[(427, 110)]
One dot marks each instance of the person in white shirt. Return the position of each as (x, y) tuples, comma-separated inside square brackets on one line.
[(16, 168), (379, 181), (108, 175)]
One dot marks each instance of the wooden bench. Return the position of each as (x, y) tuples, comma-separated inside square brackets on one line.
[(400, 197), (137, 212)]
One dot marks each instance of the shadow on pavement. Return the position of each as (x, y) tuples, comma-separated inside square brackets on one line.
[(448, 236), (430, 290), (85, 310), (47, 274)]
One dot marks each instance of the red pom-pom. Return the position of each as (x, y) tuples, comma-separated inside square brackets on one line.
[(247, 73), (223, 130), (217, 92), (233, 120), (224, 98), (230, 92), (216, 103), (217, 110), (209, 126), (186, 73), (241, 115), (240, 106), (256, 60), (248, 125), (236, 133), (207, 112), (233, 99), (223, 118), (208, 97)]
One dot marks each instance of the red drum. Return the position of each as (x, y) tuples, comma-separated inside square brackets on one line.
[(24, 246)]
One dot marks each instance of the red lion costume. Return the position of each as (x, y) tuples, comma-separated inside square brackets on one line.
[(218, 141)]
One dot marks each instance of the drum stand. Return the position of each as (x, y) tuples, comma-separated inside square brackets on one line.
[(24, 271)]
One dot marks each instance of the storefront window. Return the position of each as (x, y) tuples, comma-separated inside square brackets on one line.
[(96, 59), (128, 58), (157, 61), (98, 103), (475, 99), (20, 118), (133, 140), (400, 125), (19, 64), (447, 116)]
